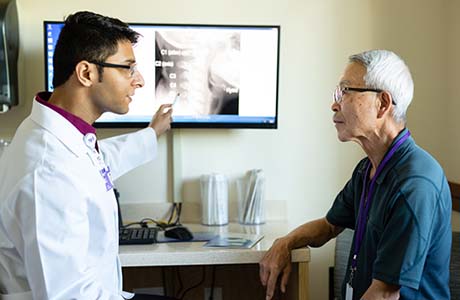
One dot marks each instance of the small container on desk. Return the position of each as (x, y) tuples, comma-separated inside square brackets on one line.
[(251, 198), (214, 199)]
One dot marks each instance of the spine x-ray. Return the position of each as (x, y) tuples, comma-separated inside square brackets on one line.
[(202, 66)]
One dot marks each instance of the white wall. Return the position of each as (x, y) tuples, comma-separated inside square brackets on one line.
[(305, 165)]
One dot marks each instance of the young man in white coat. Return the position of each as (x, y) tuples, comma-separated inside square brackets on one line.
[(58, 213)]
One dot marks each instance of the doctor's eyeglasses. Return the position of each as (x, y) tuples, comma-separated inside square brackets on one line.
[(132, 68), (341, 91)]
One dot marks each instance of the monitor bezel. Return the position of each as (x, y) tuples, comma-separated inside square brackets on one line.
[(177, 124)]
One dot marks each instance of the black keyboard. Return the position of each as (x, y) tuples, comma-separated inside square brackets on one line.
[(130, 236)]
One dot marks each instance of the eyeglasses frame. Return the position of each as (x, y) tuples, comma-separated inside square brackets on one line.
[(132, 68), (354, 89)]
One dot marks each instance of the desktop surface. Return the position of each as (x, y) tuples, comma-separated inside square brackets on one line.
[(193, 253)]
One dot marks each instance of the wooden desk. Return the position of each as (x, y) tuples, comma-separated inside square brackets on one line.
[(236, 270)]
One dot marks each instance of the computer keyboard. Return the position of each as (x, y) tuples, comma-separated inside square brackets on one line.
[(130, 236)]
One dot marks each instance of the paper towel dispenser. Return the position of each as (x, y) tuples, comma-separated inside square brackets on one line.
[(9, 50)]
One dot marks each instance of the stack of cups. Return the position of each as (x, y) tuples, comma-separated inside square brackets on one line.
[(214, 199), (251, 198)]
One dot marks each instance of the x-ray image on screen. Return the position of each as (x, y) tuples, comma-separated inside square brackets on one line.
[(226, 75), (202, 66)]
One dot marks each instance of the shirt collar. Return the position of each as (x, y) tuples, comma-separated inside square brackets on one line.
[(79, 123), (397, 155)]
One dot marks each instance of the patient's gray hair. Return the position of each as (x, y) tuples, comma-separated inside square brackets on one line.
[(387, 71)]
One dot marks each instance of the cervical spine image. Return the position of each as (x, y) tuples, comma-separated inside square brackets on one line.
[(204, 67)]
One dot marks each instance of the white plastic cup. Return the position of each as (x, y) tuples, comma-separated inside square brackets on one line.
[(214, 199), (251, 201)]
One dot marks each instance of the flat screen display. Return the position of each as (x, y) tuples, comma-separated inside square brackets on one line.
[(216, 75)]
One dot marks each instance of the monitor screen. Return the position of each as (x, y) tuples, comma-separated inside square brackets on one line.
[(216, 75)]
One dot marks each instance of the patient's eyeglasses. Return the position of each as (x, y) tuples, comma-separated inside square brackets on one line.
[(341, 91)]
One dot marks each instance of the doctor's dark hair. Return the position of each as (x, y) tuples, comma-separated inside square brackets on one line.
[(87, 36)]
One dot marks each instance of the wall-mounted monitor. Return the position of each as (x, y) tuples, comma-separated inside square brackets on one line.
[(227, 76)]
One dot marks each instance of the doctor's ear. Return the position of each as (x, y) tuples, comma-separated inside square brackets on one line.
[(386, 101), (86, 73)]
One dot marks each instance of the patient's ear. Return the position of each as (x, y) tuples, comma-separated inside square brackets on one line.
[(386, 102)]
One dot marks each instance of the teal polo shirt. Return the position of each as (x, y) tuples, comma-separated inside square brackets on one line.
[(408, 236)]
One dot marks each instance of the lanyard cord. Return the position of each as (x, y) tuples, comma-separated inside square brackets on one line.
[(366, 201)]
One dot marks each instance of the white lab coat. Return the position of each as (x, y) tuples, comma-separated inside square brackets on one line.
[(58, 222)]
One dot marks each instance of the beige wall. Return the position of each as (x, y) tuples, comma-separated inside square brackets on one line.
[(453, 99), (305, 165), (451, 131)]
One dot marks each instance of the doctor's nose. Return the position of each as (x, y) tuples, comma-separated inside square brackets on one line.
[(138, 79)]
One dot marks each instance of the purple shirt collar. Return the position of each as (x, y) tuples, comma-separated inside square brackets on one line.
[(81, 125)]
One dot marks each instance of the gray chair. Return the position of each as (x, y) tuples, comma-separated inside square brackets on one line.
[(455, 267), (342, 251)]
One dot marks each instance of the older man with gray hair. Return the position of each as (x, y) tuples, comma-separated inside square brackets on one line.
[(397, 201)]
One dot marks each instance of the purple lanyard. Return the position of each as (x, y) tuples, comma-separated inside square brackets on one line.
[(366, 201)]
